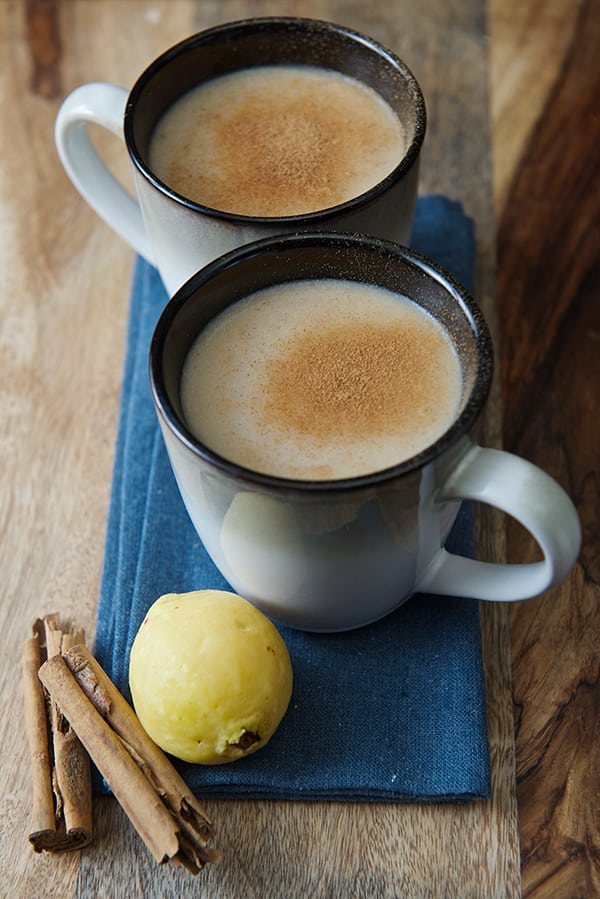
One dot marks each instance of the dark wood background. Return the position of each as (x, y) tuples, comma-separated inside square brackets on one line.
[(548, 299), (513, 90)]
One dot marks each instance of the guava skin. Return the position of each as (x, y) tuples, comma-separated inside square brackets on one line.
[(210, 676)]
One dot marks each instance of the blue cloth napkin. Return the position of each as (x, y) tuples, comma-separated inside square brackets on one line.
[(392, 712)]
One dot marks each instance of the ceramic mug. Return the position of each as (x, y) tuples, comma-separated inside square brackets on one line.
[(335, 555), (180, 236)]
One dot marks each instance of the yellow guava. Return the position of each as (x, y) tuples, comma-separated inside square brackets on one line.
[(210, 676)]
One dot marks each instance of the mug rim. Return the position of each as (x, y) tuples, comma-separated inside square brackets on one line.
[(335, 240), (315, 218)]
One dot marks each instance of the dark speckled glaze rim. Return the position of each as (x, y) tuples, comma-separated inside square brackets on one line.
[(228, 32), (336, 242)]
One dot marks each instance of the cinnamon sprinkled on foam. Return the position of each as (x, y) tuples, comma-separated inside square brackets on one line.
[(277, 140), (321, 379), (353, 379)]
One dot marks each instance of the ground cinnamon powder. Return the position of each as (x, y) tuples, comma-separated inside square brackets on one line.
[(353, 380), (320, 379), (277, 140)]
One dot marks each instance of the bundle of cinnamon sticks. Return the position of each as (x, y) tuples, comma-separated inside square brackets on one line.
[(62, 793), (73, 713)]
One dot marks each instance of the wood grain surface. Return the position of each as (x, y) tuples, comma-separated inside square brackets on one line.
[(548, 199), (512, 82)]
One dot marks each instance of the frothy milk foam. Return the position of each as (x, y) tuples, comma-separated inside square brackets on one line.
[(321, 379), (277, 140)]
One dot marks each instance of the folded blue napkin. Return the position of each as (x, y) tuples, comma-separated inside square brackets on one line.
[(392, 712)]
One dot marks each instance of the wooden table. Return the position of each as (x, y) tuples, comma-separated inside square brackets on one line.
[(517, 83)]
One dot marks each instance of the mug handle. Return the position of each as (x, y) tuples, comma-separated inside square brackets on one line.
[(525, 492), (103, 104)]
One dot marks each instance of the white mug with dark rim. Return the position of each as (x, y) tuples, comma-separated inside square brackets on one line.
[(178, 235), (334, 555)]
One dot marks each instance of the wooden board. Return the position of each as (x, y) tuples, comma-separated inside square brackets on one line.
[(64, 311), (545, 70)]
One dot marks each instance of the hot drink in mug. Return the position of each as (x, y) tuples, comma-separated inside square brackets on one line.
[(250, 129), (320, 380), (277, 141), (319, 395)]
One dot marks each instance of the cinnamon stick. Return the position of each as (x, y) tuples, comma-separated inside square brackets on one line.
[(61, 817), (159, 804), (43, 818)]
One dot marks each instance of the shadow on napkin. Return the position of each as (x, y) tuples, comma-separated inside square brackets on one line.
[(392, 712)]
